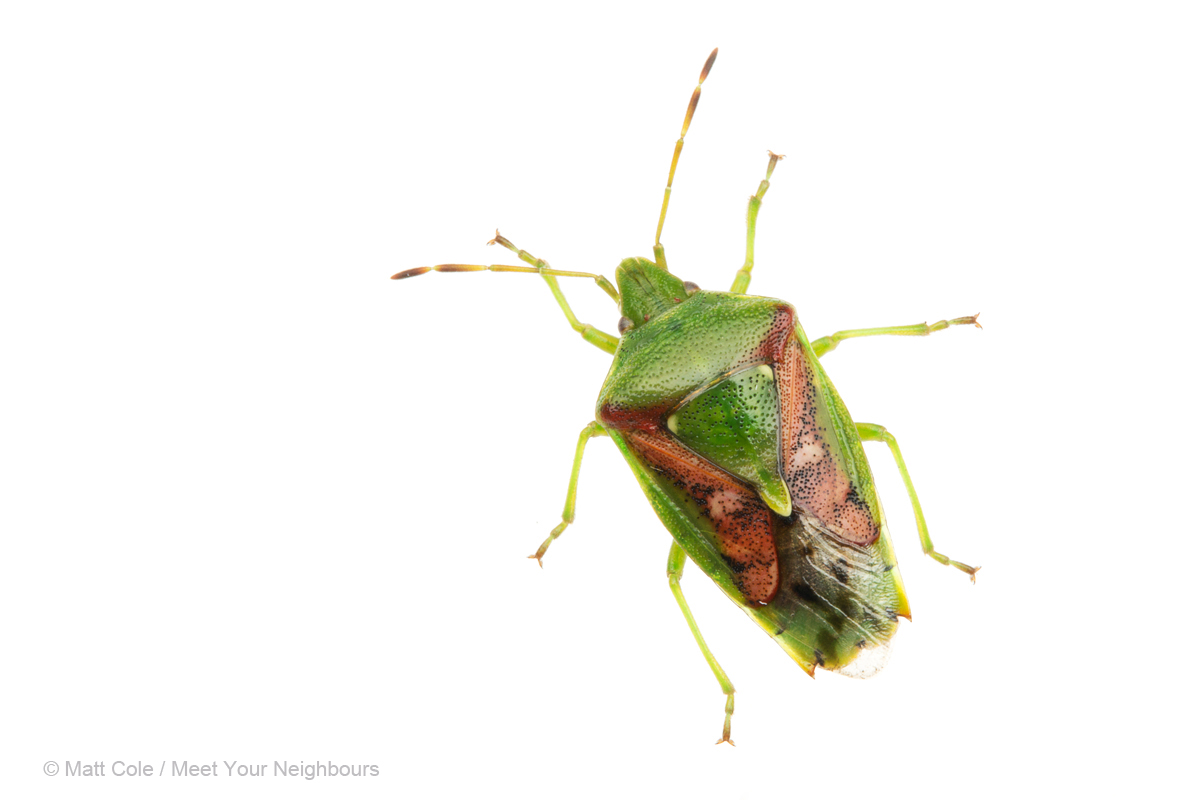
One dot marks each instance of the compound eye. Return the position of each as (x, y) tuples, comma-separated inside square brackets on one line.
[(624, 324), (690, 288)]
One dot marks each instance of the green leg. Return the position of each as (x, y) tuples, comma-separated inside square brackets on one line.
[(660, 253), (742, 281), (675, 561), (877, 433), (604, 341), (590, 431), (826, 343)]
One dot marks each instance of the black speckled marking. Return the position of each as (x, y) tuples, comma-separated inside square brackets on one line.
[(805, 593)]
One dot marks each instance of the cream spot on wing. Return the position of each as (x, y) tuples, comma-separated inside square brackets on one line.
[(724, 501), (810, 452)]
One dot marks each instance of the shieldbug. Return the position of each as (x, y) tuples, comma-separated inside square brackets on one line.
[(720, 405)]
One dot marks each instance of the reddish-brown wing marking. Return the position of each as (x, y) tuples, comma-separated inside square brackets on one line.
[(817, 480), (744, 526)]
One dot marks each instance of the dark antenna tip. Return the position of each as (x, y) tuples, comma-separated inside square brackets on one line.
[(708, 64)]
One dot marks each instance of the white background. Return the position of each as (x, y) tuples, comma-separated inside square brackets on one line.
[(261, 503)]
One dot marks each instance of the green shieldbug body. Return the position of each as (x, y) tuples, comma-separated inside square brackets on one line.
[(720, 406)]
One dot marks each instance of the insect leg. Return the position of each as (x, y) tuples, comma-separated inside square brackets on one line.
[(660, 253), (826, 343), (877, 433), (675, 561), (742, 282), (606, 342), (591, 430)]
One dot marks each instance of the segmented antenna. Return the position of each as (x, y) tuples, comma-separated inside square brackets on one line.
[(660, 254)]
